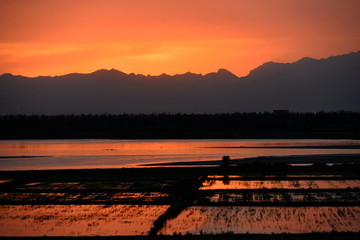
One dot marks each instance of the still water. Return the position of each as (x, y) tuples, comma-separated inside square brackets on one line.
[(78, 154), (110, 220), (235, 219), (78, 220)]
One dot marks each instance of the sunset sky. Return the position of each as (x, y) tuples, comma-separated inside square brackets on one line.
[(54, 37)]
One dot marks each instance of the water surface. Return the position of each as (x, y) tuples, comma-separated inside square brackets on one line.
[(78, 220), (283, 184), (217, 220), (75, 154)]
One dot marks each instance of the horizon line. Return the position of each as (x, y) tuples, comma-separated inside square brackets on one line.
[(171, 75)]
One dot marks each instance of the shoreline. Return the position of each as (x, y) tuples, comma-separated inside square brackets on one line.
[(290, 159), (271, 159)]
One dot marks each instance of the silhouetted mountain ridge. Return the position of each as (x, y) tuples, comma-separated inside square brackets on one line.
[(114, 73), (350, 58), (305, 85)]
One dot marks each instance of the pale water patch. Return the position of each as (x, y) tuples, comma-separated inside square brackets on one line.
[(224, 176)]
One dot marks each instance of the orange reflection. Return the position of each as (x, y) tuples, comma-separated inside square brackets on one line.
[(78, 220), (268, 220), (281, 184), (78, 154)]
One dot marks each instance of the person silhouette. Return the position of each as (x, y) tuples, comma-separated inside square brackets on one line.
[(225, 161)]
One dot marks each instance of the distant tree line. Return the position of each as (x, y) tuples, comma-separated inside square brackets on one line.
[(341, 124)]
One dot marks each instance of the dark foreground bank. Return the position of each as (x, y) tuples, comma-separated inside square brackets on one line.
[(317, 236), (279, 124)]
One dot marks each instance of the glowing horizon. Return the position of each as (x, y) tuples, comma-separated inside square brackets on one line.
[(41, 37)]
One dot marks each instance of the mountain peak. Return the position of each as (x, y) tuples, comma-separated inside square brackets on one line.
[(223, 70), (222, 74), (307, 60), (226, 74), (7, 75), (103, 70), (105, 73)]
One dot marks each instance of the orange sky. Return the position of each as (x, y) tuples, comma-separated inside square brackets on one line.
[(50, 37)]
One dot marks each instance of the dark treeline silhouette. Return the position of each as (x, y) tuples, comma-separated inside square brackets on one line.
[(340, 124)]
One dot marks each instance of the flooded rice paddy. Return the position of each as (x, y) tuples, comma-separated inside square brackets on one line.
[(105, 220), (78, 220), (93, 197), (261, 198), (269, 176), (281, 197), (280, 184), (237, 220), (115, 185)]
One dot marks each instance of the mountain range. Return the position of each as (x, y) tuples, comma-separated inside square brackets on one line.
[(306, 85)]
